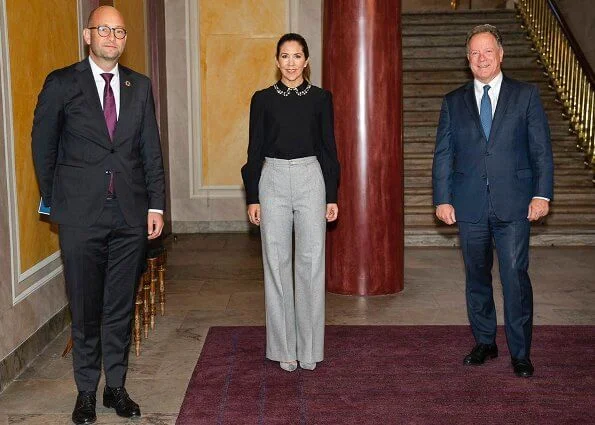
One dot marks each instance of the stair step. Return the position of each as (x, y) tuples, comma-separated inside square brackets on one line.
[(458, 62), (569, 209), (430, 131), (560, 182), (413, 117), (419, 215), (561, 175), (560, 199), (550, 235), (463, 74), (460, 16), (566, 163), (459, 51), (434, 103), (560, 126), (440, 89), (426, 146), (440, 40), (568, 192), (573, 156), (508, 29), (566, 143)]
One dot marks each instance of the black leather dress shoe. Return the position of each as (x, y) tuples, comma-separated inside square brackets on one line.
[(119, 399), (522, 367), (84, 409), (480, 353)]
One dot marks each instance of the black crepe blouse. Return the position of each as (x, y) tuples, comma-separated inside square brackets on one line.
[(290, 123)]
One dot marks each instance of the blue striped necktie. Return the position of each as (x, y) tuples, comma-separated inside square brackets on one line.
[(485, 112)]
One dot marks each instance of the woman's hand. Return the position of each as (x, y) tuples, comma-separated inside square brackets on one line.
[(332, 212), (254, 213)]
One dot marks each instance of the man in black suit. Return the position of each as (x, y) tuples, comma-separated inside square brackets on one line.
[(493, 175), (98, 162)]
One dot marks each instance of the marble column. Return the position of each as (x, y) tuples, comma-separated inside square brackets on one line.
[(362, 68)]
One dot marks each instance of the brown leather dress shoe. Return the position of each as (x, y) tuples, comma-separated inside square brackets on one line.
[(523, 367), (84, 409), (119, 399), (480, 353)]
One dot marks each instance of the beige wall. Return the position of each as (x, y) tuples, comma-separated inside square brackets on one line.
[(444, 5), (218, 54), (306, 19), (212, 71), (135, 55), (237, 50), (37, 240), (30, 61)]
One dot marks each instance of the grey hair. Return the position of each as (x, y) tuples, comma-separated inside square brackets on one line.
[(484, 28)]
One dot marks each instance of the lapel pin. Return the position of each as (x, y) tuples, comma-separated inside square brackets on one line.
[(127, 83)]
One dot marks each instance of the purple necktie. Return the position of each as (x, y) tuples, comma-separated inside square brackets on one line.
[(109, 105), (109, 112)]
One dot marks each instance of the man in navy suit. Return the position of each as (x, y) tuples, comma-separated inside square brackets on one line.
[(99, 166), (493, 175)]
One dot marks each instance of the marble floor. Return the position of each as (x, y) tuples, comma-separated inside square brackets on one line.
[(216, 279)]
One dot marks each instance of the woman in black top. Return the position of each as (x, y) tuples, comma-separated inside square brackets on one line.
[(291, 179)]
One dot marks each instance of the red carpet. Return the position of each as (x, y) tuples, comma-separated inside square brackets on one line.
[(393, 375)]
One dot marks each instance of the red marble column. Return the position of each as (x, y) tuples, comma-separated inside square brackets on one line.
[(362, 68)]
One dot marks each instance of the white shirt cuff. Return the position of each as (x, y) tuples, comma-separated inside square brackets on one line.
[(541, 197), (161, 211)]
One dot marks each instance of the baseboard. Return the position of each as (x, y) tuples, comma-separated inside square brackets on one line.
[(242, 226), (19, 359)]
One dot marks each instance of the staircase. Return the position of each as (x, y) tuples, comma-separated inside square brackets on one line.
[(434, 64)]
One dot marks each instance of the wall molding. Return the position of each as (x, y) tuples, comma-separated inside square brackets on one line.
[(198, 190), (29, 281), (81, 18), (194, 101), (9, 166)]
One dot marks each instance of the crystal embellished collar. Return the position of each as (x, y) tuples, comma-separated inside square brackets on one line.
[(288, 90)]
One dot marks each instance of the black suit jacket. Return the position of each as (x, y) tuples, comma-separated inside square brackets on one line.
[(72, 149)]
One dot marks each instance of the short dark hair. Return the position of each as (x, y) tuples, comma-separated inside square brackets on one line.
[(484, 28)]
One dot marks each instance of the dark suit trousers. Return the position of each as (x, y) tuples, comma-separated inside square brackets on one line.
[(102, 266), (511, 239)]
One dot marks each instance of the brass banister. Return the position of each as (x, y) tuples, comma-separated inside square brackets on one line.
[(573, 43), (570, 74)]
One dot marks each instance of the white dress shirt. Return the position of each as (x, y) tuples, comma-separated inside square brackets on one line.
[(115, 85), (493, 93), (100, 83)]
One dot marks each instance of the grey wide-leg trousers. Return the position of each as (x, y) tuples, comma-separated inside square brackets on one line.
[(292, 197)]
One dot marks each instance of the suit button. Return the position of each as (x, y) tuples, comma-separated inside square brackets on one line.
[(112, 150)]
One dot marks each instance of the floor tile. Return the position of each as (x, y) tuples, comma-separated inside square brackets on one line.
[(217, 280)]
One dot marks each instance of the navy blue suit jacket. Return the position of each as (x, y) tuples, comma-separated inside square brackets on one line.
[(516, 160)]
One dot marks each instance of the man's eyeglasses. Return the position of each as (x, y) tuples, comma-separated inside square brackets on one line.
[(104, 31)]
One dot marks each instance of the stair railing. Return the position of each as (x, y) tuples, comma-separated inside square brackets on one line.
[(565, 64)]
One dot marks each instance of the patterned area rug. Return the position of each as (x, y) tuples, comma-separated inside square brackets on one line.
[(393, 375)]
